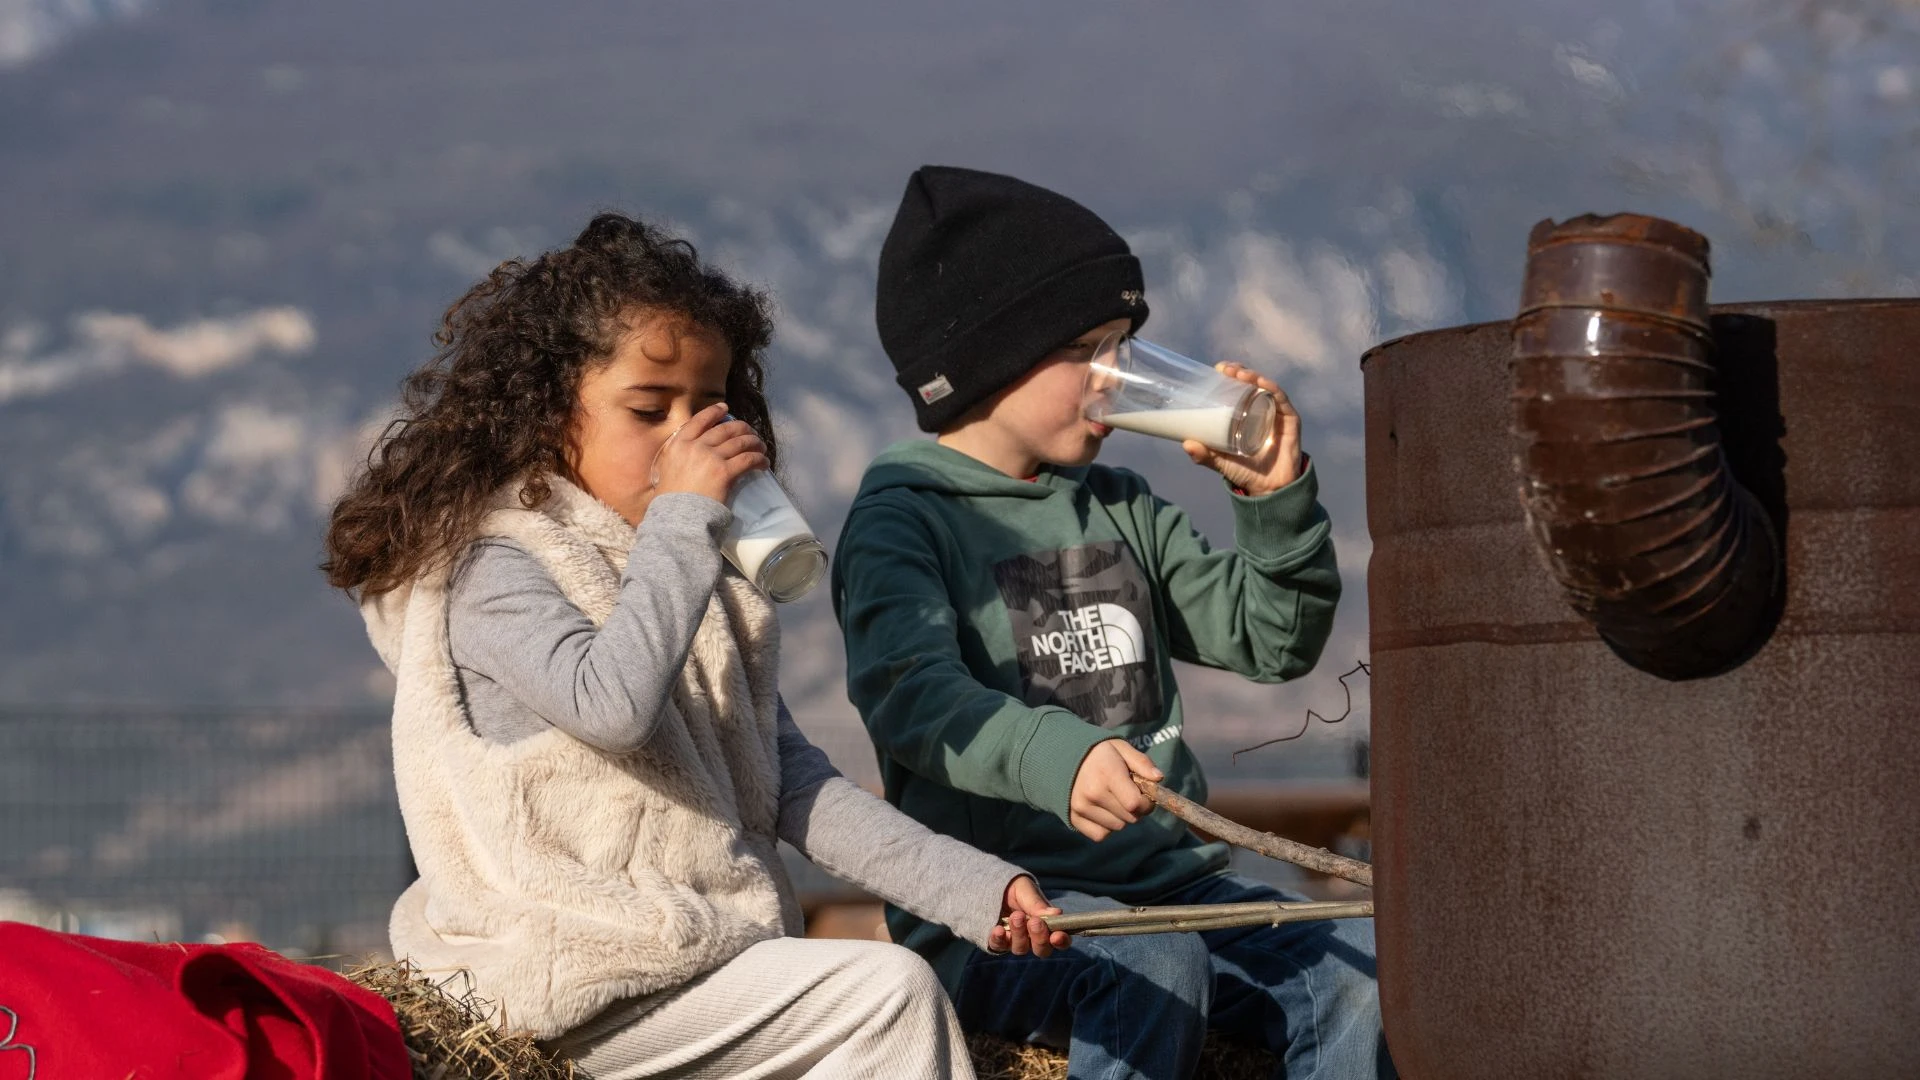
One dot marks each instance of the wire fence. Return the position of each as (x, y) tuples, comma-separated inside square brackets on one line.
[(274, 826)]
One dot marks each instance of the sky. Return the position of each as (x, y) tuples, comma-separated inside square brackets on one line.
[(231, 226)]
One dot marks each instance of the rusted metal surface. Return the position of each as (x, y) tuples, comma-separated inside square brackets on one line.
[(1583, 870), (1627, 488)]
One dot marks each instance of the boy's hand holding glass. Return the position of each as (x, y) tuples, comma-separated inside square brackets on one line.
[(1277, 464), (1023, 929), (1105, 799)]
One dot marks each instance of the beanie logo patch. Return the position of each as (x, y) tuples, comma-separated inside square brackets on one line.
[(931, 392), (1134, 297)]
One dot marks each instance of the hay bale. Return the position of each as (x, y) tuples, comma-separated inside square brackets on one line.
[(451, 1036), (450, 1032), (998, 1059)]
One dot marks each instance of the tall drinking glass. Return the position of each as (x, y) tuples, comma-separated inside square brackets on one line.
[(1135, 385), (768, 541)]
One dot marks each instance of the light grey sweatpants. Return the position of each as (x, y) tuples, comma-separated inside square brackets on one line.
[(786, 1008)]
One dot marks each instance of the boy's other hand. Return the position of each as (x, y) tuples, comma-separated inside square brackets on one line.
[(1023, 922), (1105, 799), (1276, 467)]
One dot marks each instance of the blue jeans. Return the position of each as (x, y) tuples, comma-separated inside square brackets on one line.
[(1139, 1006)]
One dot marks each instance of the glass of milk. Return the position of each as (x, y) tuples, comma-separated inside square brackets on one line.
[(1135, 385), (768, 541)]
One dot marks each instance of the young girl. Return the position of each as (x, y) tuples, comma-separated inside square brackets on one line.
[(592, 759)]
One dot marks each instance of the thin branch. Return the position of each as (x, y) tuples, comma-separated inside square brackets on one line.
[(1138, 915), (1114, 922), (1273, 847), (1196, 918), (1350, 909)]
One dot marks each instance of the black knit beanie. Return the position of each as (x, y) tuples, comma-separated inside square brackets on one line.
[(983, 275)]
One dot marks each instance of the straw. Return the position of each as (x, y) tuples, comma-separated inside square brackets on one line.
[(450, 1032), (998, 1059)]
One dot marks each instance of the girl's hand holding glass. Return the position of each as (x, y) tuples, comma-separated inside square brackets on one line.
[(767, 540), (708, 455)]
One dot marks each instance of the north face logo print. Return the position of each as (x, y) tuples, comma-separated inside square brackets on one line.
[(1095, 638), (1082, 625)]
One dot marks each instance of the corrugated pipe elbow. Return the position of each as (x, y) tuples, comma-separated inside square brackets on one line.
[(1625, 481)]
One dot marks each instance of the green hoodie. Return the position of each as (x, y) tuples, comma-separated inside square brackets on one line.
[(998, 628)]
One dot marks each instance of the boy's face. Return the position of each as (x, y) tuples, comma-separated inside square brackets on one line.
[(1040, 412)]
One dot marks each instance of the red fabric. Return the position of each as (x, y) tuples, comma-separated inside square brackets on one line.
[(84, 1008)]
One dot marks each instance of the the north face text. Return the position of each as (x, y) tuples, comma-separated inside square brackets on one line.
[(1095, 638), (1082, 623)]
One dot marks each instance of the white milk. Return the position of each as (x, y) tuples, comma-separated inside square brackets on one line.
[(1212, 425), (749, 553), (763, 522)]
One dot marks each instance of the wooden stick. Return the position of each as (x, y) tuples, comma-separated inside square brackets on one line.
[(1079, 920), (1273, 847), (1161, 920), (1195, 918), (1354, 909)]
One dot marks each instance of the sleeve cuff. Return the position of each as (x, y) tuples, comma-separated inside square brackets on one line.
[(682, 528), (983, 895), (1052, 759), (1284, 527)]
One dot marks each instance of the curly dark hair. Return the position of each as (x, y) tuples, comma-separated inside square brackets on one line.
[(495, 404)]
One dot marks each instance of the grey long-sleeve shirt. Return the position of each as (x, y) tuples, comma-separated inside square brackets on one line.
[(529, 660)]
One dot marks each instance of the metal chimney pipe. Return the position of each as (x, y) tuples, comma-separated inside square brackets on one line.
[(1625, 482)]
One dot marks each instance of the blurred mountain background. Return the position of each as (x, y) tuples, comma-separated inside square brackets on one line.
[(228, 227)]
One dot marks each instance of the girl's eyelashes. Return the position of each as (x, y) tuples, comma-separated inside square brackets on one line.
[(663, 413)]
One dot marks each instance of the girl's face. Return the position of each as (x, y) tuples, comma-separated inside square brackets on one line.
[(664, 369)]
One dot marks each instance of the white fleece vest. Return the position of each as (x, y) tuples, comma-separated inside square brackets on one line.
[(564, 878)]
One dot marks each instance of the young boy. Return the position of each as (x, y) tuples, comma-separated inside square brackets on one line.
[(1012, 612)]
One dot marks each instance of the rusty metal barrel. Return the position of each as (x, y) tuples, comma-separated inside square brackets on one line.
[(1587, 867)]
